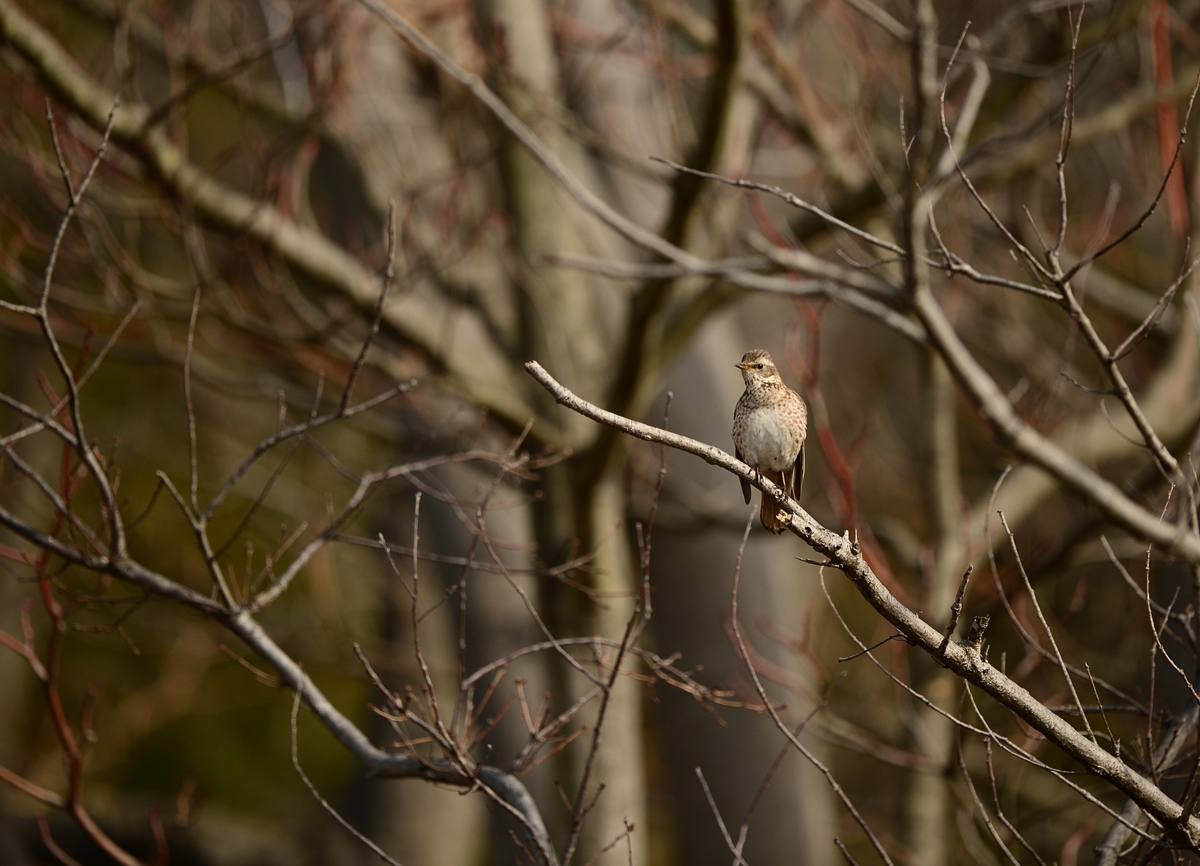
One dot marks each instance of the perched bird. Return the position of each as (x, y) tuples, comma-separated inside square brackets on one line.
[(769, 425)]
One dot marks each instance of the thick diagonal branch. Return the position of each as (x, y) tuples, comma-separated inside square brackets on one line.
[(964, 662)]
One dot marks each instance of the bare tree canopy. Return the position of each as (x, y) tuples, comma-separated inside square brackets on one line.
[(356, 357)]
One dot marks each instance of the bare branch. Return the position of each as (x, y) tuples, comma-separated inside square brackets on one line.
[(1031, 445), (847, 558), (506, 788)]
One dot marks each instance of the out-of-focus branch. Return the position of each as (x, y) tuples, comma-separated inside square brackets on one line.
[(1107, 357), (1046, 454), (504, 786), (308, 251), (71, 743), (642, 355), (507, 787), (998, 166), (1170, 745), (965, 662), (1031, 485), (583, 196)]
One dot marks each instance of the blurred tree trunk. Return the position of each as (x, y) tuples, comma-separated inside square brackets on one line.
[(693, 563), (565, 323), (929, 800)]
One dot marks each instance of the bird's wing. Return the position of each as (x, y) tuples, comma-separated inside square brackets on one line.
[(799, 474), (745, 483)]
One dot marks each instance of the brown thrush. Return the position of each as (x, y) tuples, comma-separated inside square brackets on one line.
[(769, 424)]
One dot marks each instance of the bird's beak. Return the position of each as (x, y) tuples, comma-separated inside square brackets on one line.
[(742, 366)]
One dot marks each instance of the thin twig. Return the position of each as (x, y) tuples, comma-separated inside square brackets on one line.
[(1055, 653), (712, 805), (325, 804)]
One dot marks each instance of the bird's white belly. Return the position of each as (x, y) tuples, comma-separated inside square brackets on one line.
[(770, 444)]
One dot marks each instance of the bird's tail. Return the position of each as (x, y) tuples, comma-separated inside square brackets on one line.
[(770, 512)]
